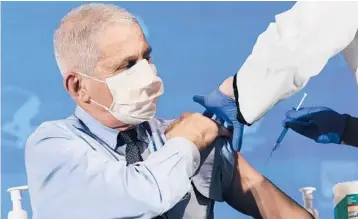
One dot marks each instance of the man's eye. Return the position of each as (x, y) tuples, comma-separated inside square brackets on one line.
[(131, 64)]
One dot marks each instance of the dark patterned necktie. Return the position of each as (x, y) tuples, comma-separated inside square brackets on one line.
[(133, 154), (129, 137)]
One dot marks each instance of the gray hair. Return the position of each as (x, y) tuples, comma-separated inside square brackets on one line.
[(77, 37)]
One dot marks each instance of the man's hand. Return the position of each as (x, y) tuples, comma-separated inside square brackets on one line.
[(321, 124), (221, 103), (197, 128)]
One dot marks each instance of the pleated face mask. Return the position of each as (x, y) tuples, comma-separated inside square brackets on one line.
[(135, 93)]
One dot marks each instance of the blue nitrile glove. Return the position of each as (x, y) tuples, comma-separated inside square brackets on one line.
[(321, 124), (225, 108)]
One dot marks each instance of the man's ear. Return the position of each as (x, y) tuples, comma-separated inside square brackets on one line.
[(75, 87)]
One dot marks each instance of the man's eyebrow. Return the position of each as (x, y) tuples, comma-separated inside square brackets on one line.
[(134, 57), (128, 59)]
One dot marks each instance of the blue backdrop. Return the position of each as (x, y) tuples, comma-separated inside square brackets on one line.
[(196, 45)]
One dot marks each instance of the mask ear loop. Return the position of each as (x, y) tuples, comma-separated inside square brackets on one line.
[(104, 107), (92, 100), (87, 76)]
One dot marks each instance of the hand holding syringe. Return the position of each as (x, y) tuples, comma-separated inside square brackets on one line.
[(284, 131)]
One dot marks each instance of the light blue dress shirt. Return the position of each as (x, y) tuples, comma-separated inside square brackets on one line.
[(75, 172)]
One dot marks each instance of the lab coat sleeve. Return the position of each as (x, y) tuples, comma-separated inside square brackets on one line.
[(350, 54), (290, 51)]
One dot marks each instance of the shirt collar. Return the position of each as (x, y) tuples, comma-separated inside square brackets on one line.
[(106, 134)]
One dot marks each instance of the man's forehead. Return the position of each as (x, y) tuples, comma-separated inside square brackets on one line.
[(122, 41)]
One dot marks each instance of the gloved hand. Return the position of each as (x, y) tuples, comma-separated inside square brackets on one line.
[(321, 124), (225, 108)]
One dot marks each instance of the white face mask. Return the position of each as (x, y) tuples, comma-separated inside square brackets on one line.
[(135, 93)]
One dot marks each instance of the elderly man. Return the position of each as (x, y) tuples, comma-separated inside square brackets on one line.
[(112, 158)]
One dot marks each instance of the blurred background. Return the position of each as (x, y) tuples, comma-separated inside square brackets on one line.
[(196, 45)]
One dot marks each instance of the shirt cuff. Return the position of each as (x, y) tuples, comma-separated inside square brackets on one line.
[(188, 149)]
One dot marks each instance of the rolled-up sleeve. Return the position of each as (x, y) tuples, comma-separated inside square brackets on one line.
[(292, 49), (69, 180)]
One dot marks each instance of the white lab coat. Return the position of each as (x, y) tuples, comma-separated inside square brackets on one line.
[(292, 49), (350, 54)]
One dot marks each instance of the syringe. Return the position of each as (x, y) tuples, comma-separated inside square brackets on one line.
[(284, 131)]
